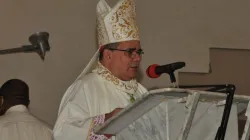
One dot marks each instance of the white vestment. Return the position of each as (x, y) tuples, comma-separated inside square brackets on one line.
[(18, 124), (94, 94)]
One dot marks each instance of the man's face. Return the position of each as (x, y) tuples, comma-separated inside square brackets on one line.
[(125, 64)]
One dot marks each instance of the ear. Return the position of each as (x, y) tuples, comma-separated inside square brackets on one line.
[(107, 54), (28, 103), (1, 100)]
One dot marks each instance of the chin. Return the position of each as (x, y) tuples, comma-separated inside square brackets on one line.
[(132, 73), (129, 77), (132, 76)]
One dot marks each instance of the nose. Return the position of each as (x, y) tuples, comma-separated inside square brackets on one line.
[(137, 57)]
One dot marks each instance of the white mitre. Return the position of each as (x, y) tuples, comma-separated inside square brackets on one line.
[(115, 24)]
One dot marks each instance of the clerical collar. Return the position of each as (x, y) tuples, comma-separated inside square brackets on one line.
[(129, 87), (17, 108)]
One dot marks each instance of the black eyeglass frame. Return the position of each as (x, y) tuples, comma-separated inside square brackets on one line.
[(129, 51)]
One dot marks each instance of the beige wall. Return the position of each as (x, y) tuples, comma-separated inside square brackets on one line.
[(228, 66), (71, 25), (171, 31)]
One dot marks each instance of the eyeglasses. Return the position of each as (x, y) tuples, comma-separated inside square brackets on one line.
[(131, 52)]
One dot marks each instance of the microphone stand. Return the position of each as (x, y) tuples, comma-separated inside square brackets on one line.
[(173, 79), (228, 89), (39, 45)]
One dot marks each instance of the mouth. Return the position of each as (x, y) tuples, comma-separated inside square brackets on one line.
[(134, 67)]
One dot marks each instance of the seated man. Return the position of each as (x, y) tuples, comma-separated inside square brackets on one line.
[(16, 123), (100, 93)]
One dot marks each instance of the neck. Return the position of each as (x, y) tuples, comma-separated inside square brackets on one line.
[(105, 64), (108, 66), (128, 87)]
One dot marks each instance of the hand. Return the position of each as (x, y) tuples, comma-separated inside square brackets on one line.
[(114, 112)]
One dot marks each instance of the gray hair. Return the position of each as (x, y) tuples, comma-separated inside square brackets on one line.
[(108, 46)]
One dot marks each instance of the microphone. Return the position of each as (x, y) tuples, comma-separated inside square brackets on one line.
[(155, 70)]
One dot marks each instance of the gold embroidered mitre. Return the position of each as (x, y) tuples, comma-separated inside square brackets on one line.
[(113, 25), (116, 24)]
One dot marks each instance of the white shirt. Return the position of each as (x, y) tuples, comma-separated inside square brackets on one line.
[(18, 124), (95, 94)]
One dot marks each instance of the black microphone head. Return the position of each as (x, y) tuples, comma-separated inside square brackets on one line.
[(151, 73), (177, 65)]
